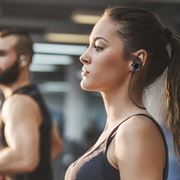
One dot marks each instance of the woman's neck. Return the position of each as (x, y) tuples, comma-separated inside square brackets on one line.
[(118, 105)]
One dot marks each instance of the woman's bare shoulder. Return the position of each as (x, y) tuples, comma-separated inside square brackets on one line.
[(138, 139)]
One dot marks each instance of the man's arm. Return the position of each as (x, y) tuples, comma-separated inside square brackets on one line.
[(21, 117), (57, 144)]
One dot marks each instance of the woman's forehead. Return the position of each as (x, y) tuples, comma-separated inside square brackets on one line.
[(105, 28)]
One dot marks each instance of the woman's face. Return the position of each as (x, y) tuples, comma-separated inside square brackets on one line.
[(103, 64)]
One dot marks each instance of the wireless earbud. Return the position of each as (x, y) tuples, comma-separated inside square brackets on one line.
[(21, 57), (136, 65), (22, 60)]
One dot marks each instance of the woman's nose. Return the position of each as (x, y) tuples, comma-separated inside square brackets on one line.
[(84, 58)]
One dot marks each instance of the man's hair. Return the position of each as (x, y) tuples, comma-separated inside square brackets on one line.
[(24, 44)]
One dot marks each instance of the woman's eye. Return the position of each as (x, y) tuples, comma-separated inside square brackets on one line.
[(98, 48)]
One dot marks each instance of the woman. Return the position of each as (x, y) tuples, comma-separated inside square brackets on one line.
[(127, 52)]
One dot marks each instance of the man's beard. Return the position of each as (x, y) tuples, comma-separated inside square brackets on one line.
[(10, 75)]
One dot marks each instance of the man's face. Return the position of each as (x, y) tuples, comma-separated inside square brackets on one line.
[(9, 60)]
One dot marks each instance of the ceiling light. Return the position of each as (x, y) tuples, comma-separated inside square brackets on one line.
[(59, 49), (67, 38), (85, 17), (42, 68), (50, 59)]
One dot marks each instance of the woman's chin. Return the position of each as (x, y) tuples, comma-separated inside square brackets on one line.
[(87, 87)]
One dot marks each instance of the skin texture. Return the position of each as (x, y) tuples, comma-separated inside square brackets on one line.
[(137, 150), (21, 117)]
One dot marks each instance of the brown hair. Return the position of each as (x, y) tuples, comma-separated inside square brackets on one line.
[(24, 44), (140, 29)]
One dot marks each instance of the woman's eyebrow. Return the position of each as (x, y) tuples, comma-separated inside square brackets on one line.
[(99, 37)]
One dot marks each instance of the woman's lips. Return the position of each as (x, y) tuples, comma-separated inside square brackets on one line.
[(84, 72)]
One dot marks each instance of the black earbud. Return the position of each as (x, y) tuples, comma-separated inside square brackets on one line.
[(136, 65)]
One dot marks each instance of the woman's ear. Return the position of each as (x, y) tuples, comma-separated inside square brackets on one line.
[(138, 60), (142, 55)]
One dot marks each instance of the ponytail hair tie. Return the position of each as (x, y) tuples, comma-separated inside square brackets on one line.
[(168, 34)]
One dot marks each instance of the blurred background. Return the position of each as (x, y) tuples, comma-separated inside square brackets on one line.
[(60, 30)]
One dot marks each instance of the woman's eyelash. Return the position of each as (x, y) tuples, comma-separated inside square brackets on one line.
[(98, 48)]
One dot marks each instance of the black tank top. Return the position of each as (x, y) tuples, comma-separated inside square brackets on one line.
[(95, 165), (43, 170)]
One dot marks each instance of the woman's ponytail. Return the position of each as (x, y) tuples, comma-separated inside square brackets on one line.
[(173, 93)]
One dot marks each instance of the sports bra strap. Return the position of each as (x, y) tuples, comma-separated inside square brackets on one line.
[(113, 133)]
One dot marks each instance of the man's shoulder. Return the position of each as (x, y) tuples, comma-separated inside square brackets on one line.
[(18, 99), (18, 106), (19, 102)]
